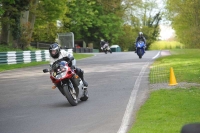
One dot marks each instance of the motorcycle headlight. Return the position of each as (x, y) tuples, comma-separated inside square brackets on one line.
[(60, 73)]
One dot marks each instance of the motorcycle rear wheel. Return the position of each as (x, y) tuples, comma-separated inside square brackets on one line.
[(70, 95)]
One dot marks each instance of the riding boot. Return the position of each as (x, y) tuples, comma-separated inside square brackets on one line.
[(81, 75), (73, 67)]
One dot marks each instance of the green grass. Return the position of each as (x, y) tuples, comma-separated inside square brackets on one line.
[(23, 65), (82, 56), (185, 63), (160, 45), (166, 111), (5, 67)]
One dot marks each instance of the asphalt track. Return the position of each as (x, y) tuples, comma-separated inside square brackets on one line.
[(118, 85)]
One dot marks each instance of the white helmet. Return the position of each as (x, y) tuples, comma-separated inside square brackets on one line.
[(140, 34)]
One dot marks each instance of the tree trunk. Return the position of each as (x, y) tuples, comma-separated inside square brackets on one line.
[(32, 16), (5, 33), (5, 29), (25, 29), (24, 17)]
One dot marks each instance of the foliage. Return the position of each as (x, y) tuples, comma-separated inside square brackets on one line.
[(140, 17), (47, 14), (91, 21), (185, 20), (126, 40), (25, 38), (2, 8), (5, 48), (12, 10), (10, 20), (45, 33), (147, 21)]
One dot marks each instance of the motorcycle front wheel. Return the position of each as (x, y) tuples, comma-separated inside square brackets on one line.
[(140, 53), (71, 95)]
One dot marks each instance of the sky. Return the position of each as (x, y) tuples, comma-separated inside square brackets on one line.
[(166, 29), (166, 32)]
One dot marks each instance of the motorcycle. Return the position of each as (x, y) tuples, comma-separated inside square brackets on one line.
[(106, 48), (68, 82), (140, 47)]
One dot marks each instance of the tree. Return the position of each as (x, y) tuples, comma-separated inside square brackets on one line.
[(47, 14), (92, 20), (185, 18), (6, 8), (32, 16), (127, 39), (11, 20), (143, 18)]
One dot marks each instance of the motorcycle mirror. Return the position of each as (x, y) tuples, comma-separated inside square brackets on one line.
[(45, 70)]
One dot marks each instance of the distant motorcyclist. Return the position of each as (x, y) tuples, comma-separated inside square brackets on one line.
[(140, 38), (60, 54), (102, 43)]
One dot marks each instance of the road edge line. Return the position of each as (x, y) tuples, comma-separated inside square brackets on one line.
[(129, 109)]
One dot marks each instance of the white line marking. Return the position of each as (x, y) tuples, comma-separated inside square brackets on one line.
[(156, 55), (129, 109)]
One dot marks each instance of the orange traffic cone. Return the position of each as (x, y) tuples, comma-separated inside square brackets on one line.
[(172, 80)]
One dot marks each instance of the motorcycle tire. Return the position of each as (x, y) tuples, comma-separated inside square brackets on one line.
[(61, 90), (140, 53), (71, 97)]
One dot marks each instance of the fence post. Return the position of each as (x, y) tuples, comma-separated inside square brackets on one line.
[(37, 44)]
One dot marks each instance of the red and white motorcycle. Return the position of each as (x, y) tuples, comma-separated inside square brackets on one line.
[(68, 82)]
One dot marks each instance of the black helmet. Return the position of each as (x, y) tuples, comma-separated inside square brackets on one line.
[(54, 50), (140, 34)]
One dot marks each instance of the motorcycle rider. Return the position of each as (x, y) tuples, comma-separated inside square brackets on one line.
[(140, 38), (102, 43), (60, 54)]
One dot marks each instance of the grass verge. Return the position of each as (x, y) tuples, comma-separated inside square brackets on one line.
[(185, 63), (161, 45), (167, 110), (23, 65)]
